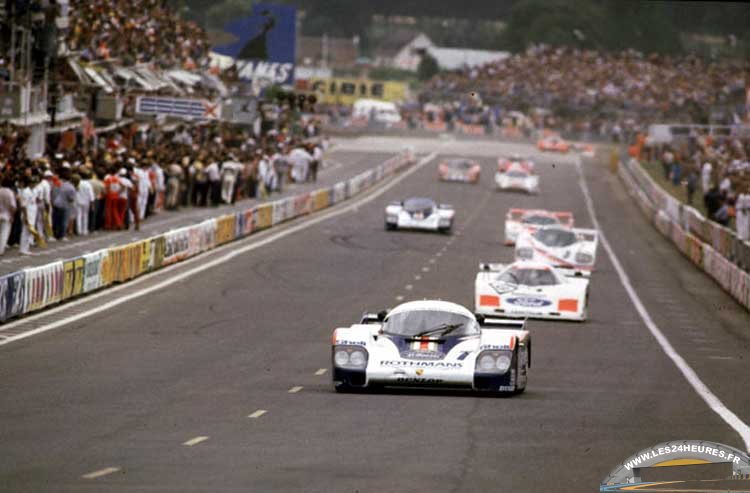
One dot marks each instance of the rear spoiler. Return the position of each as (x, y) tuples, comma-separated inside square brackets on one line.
[(565, 218), (501, 323), (373, 318)]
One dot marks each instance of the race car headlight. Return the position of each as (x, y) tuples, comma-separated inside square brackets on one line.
[(391, 218), (525, 253), (502, 363), (350, 357), (584, 258), (494, 362), (486, 362)]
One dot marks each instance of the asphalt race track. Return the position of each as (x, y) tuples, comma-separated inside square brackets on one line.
[(156, 394)]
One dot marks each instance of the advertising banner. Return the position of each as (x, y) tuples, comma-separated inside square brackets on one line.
[(198, 109), (265, 44)]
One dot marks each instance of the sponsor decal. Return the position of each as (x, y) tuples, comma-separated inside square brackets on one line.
[(419, 372), (350, 343), (424, 364), (528, 301), (492, 346), (418, 380), (419, 354)]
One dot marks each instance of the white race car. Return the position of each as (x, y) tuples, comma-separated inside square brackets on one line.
[(517, 220), (530, 289), (419, 213), (432, 344), (571, 249), (517, 178), (516, 161)]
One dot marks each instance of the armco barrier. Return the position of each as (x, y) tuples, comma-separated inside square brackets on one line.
[(710, 246), (35, 288)]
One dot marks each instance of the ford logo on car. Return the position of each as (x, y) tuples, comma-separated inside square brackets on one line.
[(528, 302)]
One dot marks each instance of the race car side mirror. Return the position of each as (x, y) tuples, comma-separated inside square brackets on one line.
[(381, 315), (480, 318)]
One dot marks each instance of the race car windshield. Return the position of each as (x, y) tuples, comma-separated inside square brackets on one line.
[(415, 205), (555, 237), (411, 323), (516, 174), (528, 277), (459, 164), (541, 220)]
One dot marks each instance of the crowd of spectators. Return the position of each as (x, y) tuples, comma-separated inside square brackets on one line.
[(132, 175), (136, 31), (592, 88), (716, 165)]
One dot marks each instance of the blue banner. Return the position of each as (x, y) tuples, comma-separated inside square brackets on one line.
[(265, 44)]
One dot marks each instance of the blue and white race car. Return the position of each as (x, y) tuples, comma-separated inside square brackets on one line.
[(432, 344), (419, 213)]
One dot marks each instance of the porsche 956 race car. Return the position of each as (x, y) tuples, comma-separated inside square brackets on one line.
[(461, 170), (517, 178), (419, 213), (530, 289), (517, 220), (432, 344), (573, 249)]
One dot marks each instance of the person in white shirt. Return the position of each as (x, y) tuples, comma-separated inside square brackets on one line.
[(214, 181), (300, 160), (706, 177), (265, 176), (144, 188), (742, 208), (43, 193), (7, 211), (27, 202), (229, 171), (725, 185), (161, 186), (316, 163), (84, 199)]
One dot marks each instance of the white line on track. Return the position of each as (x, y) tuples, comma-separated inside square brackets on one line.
[(432, 261), (195, 441), (399, 298), (257, 414), (100, 473), (439, 254), (425, 269), (321, 371), (417, 277), (296, 389), (693, 379), (233, 250), (409, 287), (721, 357)]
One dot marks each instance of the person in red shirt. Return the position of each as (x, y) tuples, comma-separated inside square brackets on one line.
[(114, 213)]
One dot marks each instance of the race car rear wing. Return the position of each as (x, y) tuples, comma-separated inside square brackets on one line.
[(565, 218), (373, 318), (500, 323), (491, 267)]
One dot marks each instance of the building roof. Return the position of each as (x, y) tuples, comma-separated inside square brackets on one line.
[(456, 58)]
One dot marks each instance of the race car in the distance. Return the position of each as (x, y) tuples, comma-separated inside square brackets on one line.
[(517, 179), (462, 170), (517, 220), (516, 161), (573, 249), (530, 289), (419, 213), (432, 344), (553, 143)]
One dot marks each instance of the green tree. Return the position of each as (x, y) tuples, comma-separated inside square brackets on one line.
[(427, 67)]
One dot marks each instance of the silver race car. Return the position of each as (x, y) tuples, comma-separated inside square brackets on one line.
[(419, 213), (432, 344)]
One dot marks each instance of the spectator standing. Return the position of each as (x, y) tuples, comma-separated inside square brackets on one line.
[(27, 203), (174, 176), (667, 160), (84, 199), (200, 183), (712, 200), (229, 170), (63, 201), (692, 184), (143, 191), (317, 162), (96, 215), (43, 193), (7, 211), (214, 180), (706, 171), (114, 212), (743, 214), (300, 160)]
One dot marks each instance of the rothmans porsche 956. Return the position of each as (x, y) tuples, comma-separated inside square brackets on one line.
[(432, 344)]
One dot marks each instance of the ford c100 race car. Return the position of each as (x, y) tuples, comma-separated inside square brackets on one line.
[(432, 344), (462, 170), (419, 213), (571, 249), (517, 220), (530, 289)]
